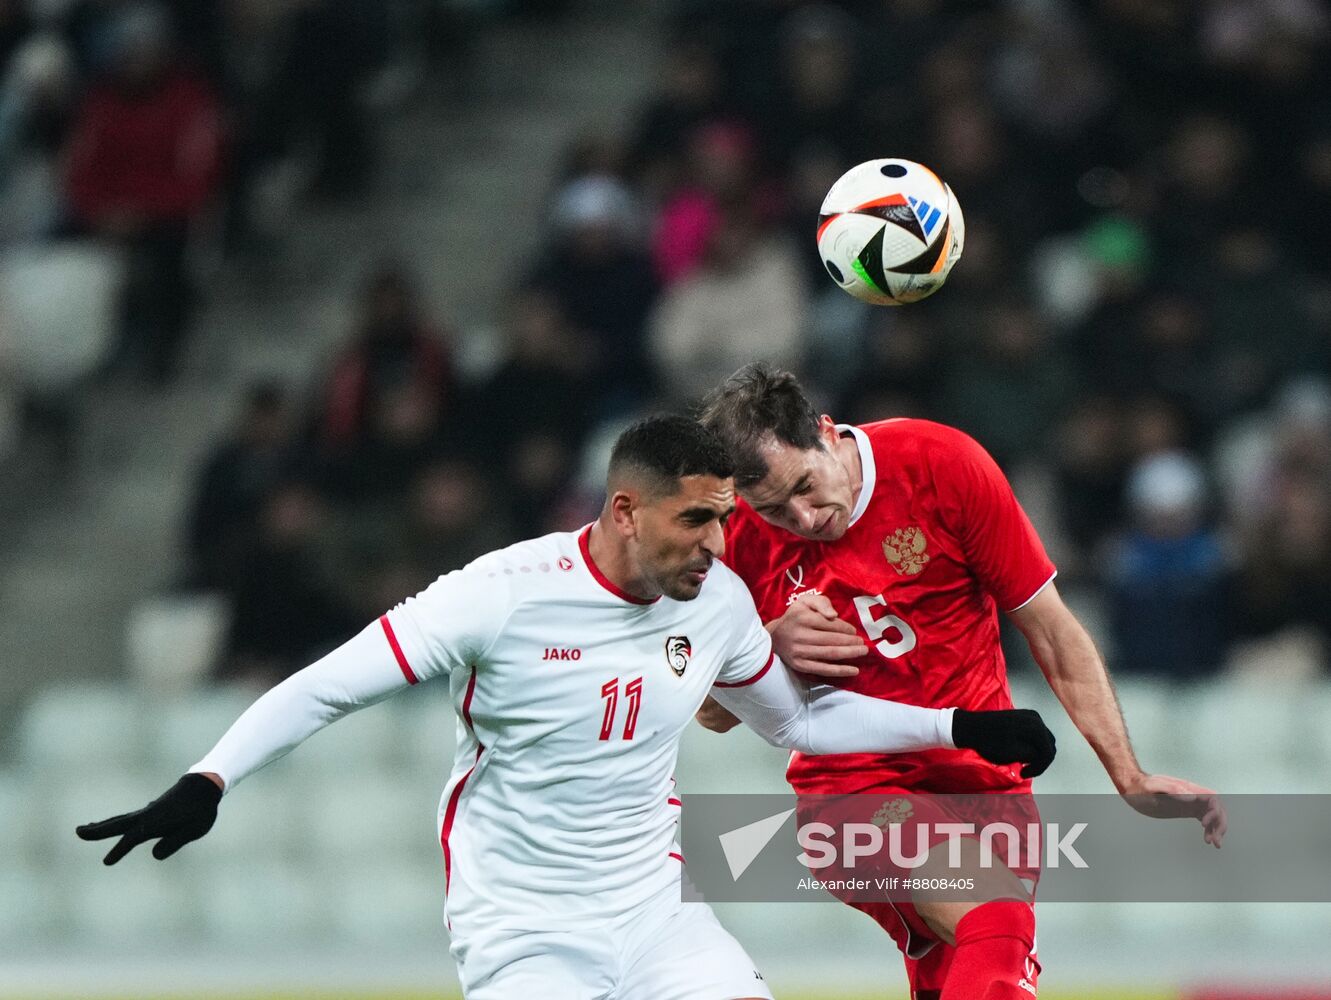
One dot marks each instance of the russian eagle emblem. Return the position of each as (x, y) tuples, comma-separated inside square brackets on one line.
[(904, 549)]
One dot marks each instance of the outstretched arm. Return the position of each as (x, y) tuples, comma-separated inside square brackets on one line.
[(444, 627), (1076, 672), (788, 712), (358, 673), (363, 670)]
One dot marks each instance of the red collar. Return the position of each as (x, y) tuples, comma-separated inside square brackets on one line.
[(601, 578)]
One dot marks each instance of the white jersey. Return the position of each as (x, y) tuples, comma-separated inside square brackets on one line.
[(571, 697)]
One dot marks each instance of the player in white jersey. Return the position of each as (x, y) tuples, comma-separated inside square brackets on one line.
[(574, 662)]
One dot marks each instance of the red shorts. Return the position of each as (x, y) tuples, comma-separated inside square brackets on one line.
[(1011, 822)]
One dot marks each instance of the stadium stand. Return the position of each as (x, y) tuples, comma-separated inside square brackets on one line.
[(561, 208)]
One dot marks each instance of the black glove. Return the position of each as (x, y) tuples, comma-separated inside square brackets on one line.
[(186, 812), (1005, 737)]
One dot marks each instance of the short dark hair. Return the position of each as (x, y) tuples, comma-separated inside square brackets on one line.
[(758, 401), (663, 449)]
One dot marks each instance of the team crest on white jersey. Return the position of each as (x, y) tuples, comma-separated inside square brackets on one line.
[(677, 651), (796, 578)]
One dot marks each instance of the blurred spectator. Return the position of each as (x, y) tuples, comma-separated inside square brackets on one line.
[(899, 370), (143, 165), (815, 100), (285, 608), (1310, 199), (1089, 466), (37, 95), (1009, 386), (1145, 284), (533, 412), (1287, 559), (689, 97), (449, 516), (746, 302), (1251, 283), (405, 430), (595, 153), (1295, 433), (602, 280), (394, 350), (717, 170), (330, 48), (15, 24), (969, 147), (747, 37), (1167, 575), (1053, 86), (237, 478)]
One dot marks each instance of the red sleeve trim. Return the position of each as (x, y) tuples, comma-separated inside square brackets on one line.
[(771, 658), (677, 856), (407, 672)]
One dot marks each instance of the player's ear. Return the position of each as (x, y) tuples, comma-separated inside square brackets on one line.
[(827, 430), (622, 505)]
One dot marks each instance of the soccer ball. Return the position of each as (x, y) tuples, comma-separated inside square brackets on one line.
[(890, 231)]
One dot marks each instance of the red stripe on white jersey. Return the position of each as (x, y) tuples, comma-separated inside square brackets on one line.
[(677, 856), (466, 702), (407, 672), (454, 797), (771, 657), (449, 814)]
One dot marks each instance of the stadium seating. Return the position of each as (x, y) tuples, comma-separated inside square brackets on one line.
[(174, 640), (59, 311), (338, 843)]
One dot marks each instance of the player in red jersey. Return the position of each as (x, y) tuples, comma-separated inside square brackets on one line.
[(879, 557)]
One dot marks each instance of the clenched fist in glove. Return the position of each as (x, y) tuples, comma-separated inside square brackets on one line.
[(1008, 736)]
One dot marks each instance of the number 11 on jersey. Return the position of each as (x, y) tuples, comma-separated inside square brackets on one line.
[(610, 695)]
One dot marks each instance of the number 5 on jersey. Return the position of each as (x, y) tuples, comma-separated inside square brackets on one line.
[(610, 694), (878, 627)]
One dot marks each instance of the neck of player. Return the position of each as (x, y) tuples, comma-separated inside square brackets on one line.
[(610, 553), (848, 454)]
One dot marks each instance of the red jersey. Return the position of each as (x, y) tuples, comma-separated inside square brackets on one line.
[(937, 544)]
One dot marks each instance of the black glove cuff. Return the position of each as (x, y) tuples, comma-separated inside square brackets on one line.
[(197, 788), (966, 728)]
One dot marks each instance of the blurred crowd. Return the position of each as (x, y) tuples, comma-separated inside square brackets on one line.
[(1139, 329), (144, 142)]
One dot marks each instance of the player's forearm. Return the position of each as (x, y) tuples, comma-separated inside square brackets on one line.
[(787, 713), (845, 722), (358, 673), (1077, 674)]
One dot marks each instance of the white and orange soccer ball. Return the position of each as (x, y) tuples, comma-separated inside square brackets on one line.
[(890, 231)]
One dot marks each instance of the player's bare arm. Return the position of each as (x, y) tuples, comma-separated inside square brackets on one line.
[(1078, 676)]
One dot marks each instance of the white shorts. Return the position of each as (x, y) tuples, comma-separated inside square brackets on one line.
[(666, 950)]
